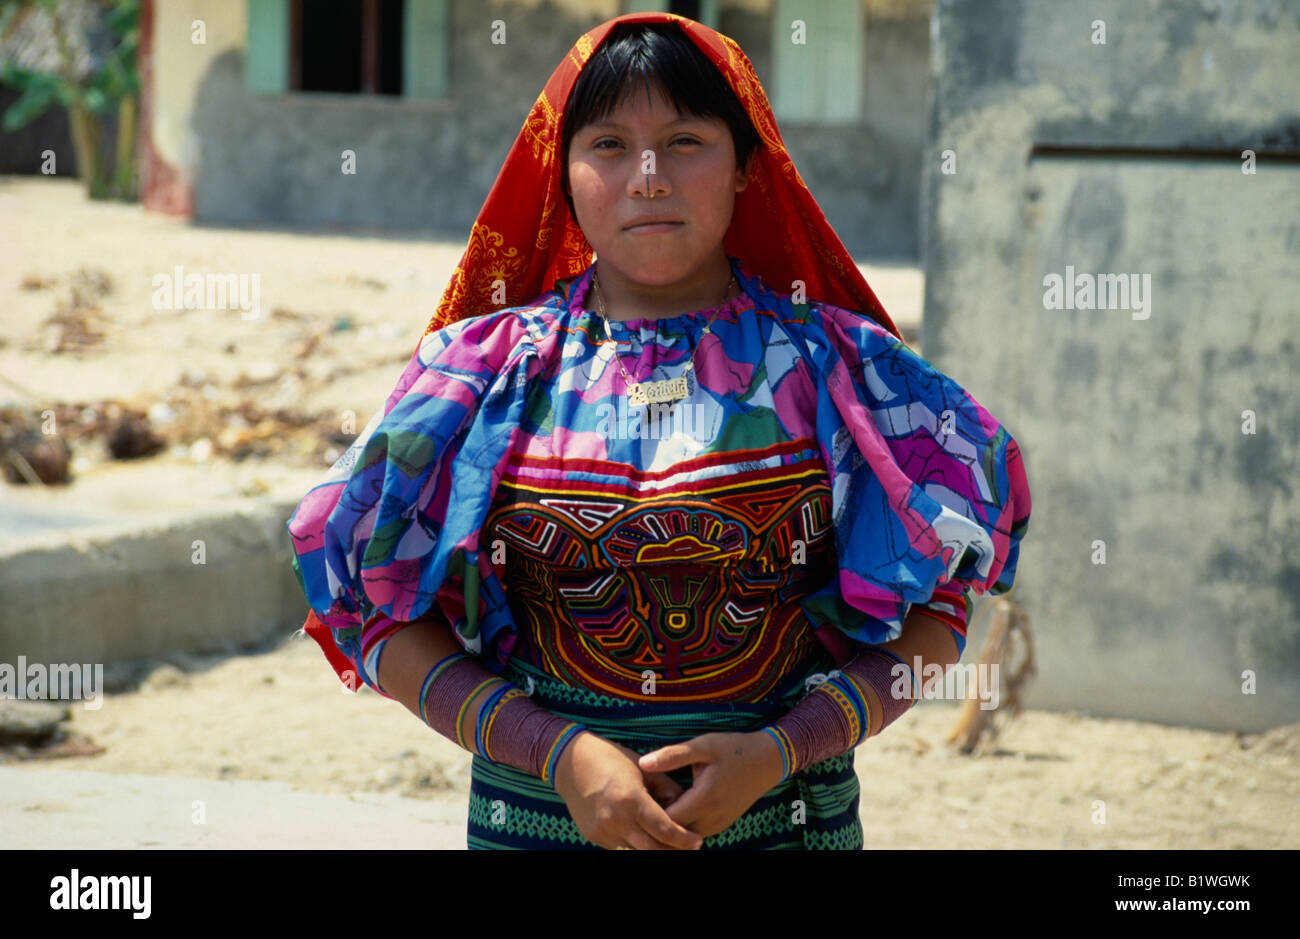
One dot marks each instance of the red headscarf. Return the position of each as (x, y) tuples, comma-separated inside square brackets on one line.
[(526, 237)]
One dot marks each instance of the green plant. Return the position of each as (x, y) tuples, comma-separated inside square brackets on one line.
[(112, 86)]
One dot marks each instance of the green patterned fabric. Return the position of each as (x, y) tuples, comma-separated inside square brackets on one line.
[(816, 809)]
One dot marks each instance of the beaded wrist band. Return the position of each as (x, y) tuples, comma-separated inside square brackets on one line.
[(509, 729), (434, 672), (520, 734), (829, 720), (835, 717), (878, 669), (487, 713), (916, 682)]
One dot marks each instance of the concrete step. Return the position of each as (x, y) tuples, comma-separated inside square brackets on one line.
[(139, 560)]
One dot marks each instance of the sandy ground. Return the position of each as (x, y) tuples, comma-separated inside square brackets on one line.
[(283, 716), (339, 317), (350, 311)]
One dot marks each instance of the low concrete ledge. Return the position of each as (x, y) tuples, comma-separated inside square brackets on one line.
[(147, 563), (201, 585)]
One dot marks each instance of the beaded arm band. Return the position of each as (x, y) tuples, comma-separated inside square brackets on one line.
[(510, 728), (835, 717)]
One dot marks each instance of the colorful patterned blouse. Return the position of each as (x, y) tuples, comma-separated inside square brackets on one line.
[(818, 480)]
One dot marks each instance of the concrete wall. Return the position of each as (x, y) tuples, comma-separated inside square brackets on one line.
[(427, 166), (1125, 157), (181, 66)]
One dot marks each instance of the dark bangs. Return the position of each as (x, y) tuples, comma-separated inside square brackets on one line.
[(636, 56)]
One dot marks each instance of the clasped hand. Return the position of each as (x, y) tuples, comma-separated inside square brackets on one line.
[(621, 800)]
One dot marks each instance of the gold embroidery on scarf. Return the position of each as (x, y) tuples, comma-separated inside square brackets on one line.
[(581, 51), (450, 299), (489, 262), (544, 226), (575, 246), (539, 127), (552, 216)]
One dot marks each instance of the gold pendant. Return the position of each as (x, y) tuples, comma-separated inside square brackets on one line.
[(658, 392)]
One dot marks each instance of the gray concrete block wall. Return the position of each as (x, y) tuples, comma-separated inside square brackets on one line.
[(1125, 158)]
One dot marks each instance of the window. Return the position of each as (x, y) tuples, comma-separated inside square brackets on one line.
[(820, 80), (346, 46), (364, 47)]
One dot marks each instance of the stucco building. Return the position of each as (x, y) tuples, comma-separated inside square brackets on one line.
[(249, 105)]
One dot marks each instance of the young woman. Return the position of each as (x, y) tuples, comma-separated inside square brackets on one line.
[(659, 536)]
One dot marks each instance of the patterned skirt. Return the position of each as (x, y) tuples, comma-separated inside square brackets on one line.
[(817, 808)]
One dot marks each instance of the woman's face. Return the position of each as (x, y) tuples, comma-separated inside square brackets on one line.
[(694, 183)]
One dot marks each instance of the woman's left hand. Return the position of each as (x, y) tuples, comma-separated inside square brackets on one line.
[(729, 774)]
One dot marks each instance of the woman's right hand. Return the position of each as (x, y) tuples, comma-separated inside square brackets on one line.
[(606, 794)]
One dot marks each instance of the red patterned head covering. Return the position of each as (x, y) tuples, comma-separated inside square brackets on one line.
[(526, 237)]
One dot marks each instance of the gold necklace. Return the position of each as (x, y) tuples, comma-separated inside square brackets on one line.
[(667, 391)]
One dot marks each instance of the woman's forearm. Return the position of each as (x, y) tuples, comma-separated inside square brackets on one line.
[(861, 702), (410, 654), (926, 637), (513, 731), (822, 725)]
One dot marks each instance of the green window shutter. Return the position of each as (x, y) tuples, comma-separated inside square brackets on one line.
[(821, 80), (426, 36), (266, 59)]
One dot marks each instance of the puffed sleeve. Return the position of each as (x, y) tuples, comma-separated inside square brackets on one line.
[(929, 495), (391, 533)]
